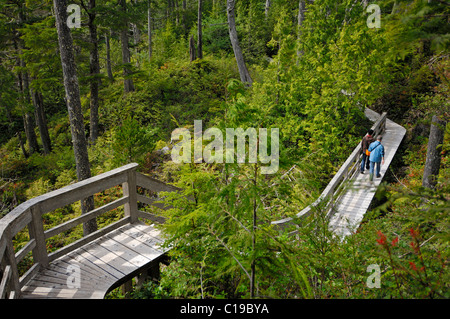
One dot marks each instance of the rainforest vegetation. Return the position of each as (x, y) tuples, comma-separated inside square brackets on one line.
[(76, 102)]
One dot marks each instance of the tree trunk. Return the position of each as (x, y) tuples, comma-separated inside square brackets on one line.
[(149, 18), (128, 83), (22, 147), (177, 13), (24, 85), (108, 59), (74, 106), (28, 123), (243, 71), (94, 67), (192, 51), (267, 8), (199, 30), (41, 121), (28, 119), (183, 17), (136, 40), (433, 161), (301, 18)]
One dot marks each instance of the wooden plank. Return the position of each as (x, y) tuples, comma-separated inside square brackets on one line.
[(14, 280), (147, 236), (128, 254), (33, 271), (129, 190), (51, 293), (25, 250), (97, 263), (152, 217), (60, 273), (150, 253), (36, 231), (7, 273), (2, 248), (20, 222), (111, 260), (82, 257), (153, 184), (73, 193), (85, 188), (89, 238), (85, 217), (88, 269), (153, 202), (104, 266)]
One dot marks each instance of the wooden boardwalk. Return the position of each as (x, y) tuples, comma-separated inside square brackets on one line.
[(98, 262), (352, 206), (113, 255), (349, 194), (94, 269)]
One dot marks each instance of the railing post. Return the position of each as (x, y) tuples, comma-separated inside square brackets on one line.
[(9, 252), (129, 189), (36, 230)]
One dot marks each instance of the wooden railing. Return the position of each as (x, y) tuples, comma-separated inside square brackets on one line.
[(29, 215), (335, 189)]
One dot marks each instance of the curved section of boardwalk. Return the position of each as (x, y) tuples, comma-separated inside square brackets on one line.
[(95, 263), (92, 270)]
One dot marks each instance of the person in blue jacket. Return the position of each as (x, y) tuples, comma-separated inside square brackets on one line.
[(376, 157)]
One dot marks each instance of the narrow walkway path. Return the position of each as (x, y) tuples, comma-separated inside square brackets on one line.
[(354, 204), (92, 270)]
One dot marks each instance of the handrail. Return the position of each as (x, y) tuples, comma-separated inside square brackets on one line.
[(29, 214), (333, 191)]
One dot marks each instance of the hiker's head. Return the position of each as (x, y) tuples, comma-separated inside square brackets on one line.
[(370, 132), (379, 138)]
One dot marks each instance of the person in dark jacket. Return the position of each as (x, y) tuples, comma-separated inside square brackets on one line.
[(376, 157), (366, 141)]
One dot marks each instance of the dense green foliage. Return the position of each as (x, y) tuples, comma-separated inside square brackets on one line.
[(312, 81)]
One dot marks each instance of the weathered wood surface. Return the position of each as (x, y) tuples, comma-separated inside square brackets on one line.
[(103, 263), (351, 208), (39, 280), (349, 193), (335, 187)]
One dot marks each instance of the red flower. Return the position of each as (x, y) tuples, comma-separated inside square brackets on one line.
[(394, 242), (414, 267), (414, 233), (414, 246), (381, 238)]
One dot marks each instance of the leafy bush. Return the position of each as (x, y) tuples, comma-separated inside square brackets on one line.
[(131, 142)]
